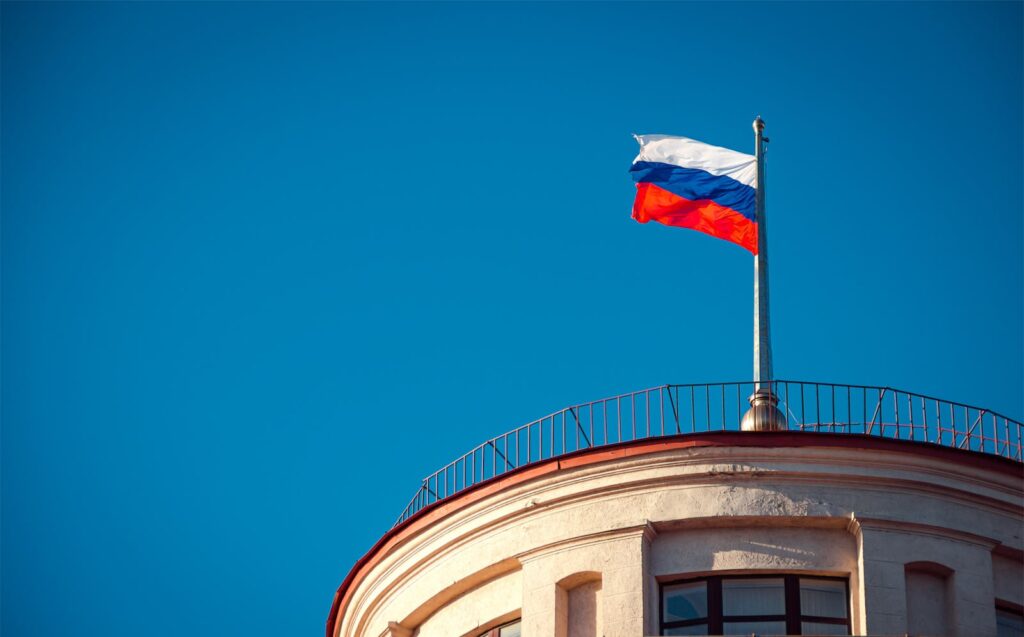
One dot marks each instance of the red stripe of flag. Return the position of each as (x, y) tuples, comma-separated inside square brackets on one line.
[(658, 204)]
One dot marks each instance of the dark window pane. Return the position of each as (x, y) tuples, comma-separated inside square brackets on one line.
[(1009, 623), (754, 596), (761, 628), (686, 601), (822, 598), (698, 629), (815, 628)]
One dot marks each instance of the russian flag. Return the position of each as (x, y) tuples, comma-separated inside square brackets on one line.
[(685, 183)]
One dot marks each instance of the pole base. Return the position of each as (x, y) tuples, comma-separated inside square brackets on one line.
[(764, 413)]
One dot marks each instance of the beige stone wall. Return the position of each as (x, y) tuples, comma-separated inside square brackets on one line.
[(591, 543), (553, 574), (889, 549)]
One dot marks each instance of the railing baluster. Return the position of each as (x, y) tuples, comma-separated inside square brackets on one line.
[(924, 417), (563, 431), (661, 401), (896, 406), (833, 427), (803, 411), (965, 432), (995, 435), (849, 408), (739, 405), (862, 422), (673, 402), (693, 410), (707, 403), (632, 412), (618, 419), (604, 411), (723, 407), (819, 418), (647, 414), (951, 429), (529, 443), (910, 412)]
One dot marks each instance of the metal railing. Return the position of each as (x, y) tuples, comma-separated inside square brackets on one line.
[(670, 410)]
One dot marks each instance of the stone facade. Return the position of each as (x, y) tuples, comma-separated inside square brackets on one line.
[(579, 546)]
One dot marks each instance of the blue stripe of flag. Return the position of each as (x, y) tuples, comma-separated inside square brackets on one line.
[(693, 184)]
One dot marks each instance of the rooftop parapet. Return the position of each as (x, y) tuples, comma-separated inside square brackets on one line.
[(672, 410)]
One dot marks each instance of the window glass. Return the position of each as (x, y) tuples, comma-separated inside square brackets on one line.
[(749, 628), (754, 596), (818, 628), (822, 598), (1009, 623), (512, 630), (686, 601), (697, 629), (766, 605)]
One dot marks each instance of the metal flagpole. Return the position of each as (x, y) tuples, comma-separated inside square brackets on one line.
[(764, 413), (762, 332)]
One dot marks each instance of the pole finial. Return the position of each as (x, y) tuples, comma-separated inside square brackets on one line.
[(758, 124)]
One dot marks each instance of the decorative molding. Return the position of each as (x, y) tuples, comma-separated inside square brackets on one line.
[(479, 578), (1010, 552), (739, 521), (639, 531), (876, 524), (650, 532)]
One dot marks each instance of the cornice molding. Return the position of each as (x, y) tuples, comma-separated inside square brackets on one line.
[(639, 531), (916, 528)]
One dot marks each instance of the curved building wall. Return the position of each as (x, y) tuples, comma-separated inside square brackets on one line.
[(580, 546)]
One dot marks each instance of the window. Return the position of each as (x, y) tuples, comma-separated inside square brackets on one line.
[(511, 629), (762, 604), (1009, 620)]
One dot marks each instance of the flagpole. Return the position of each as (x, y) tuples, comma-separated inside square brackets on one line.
[(762, 328), (763, 414)]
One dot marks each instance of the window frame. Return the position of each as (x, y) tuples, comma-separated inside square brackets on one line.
[(716, 618)]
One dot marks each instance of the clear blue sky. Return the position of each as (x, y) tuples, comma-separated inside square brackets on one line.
[(266, 265)]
